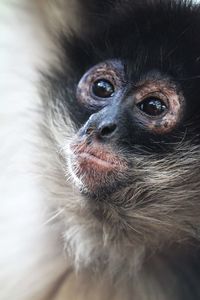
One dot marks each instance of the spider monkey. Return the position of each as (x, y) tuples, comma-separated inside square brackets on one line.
[(120, 136)]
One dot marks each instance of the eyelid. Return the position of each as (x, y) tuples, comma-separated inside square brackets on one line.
[(109, 74), (107, 77), (156, 94)]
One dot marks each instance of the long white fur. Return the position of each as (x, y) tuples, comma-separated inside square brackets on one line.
[(30, 259)]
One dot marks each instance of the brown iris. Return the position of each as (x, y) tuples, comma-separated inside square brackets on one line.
[(152, 106), (103, 88)]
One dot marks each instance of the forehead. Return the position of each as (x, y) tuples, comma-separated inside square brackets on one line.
[(152, 37)]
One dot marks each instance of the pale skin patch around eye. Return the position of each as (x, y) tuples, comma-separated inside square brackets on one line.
[(110, 70), (169, 95)]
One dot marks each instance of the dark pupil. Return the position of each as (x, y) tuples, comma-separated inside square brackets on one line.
[(152, 106), (103, 88)]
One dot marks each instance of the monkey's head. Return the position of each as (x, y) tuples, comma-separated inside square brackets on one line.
[(131, 86)]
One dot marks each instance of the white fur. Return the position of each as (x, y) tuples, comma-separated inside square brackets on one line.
[(29, 251)]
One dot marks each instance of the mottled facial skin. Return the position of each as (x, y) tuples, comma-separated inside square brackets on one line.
[(118, 106), (131, 89)]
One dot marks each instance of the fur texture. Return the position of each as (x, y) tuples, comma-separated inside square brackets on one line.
[(55, 243)]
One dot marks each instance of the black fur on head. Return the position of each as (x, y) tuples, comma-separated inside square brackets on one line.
[(155, 199)]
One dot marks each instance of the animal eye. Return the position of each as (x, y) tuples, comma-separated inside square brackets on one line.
[(152, 106), (103, 88), (100, 83)]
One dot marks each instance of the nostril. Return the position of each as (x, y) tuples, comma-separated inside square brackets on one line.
[(90, 130), (107, 130)]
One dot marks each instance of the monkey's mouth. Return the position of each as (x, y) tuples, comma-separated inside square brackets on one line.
[(97, 158), (96, 166)]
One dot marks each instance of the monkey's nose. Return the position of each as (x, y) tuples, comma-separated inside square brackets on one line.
[(103, 125), (103, 131), (106, 130)]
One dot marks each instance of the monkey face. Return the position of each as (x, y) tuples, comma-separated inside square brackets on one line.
[(132, 92), (123, 112)]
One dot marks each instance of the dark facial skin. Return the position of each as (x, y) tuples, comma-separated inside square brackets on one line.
[(120, 109)]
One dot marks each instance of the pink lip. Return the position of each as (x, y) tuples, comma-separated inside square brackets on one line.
[(96, 160), (96, 164)]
